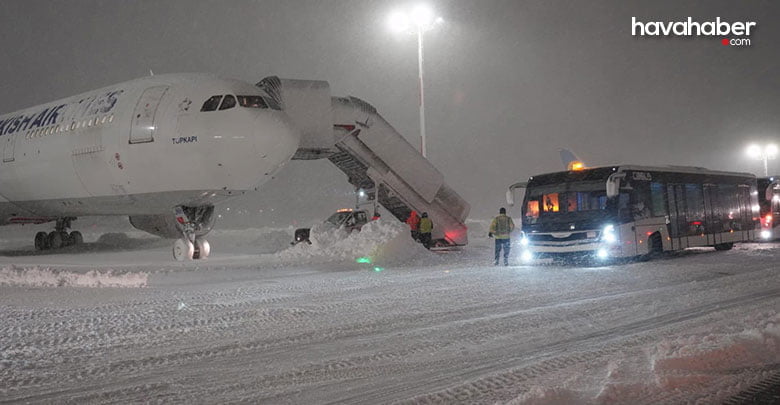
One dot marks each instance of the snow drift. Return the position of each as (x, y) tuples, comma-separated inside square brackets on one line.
[(383, 242), (38, 277)]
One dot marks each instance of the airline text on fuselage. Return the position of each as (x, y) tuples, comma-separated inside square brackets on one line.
[(91, 105)]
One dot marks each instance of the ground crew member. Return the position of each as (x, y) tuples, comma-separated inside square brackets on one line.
[(414, 224), (426, 226), (500, 229)]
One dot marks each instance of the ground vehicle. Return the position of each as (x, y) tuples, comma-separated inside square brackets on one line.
[(635, 211), (351, 220), (769, 201)]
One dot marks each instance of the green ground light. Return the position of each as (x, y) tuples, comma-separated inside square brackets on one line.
[(363, 260), (378, 269)]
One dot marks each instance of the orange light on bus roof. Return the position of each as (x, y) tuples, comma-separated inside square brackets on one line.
[(576, 166)]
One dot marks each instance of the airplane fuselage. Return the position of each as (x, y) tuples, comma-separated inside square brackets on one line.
[(141, 147)]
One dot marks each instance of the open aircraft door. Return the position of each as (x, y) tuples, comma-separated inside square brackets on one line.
[(144, 123)]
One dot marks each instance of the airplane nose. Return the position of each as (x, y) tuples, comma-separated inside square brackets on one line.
[(276, 140)]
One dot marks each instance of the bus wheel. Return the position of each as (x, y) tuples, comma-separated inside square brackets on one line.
[(655, 247), (724, 246)]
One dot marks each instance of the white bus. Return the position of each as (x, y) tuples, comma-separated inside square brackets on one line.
[(769, 201), (635, 211)]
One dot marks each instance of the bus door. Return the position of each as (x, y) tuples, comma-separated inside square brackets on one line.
[(678, 223), (712, 220), (746, 211)]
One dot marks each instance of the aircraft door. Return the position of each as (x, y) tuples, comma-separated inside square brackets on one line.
[(8, 150), (144, 123)]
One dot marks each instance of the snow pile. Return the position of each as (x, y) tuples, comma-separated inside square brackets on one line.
[(261, 240), (701, 358), (383, 242), (678, 365), (548, 396), (37, 277)]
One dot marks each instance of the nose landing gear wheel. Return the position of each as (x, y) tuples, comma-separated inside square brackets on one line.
[(202, 249), (183, 250)]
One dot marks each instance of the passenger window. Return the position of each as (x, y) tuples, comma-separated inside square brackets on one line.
[(228, 102), (211, 104)]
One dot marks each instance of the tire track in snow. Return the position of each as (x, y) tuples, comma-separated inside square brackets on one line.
[(498, 360)]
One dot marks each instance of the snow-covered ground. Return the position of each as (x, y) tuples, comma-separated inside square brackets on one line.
[(117, 320)]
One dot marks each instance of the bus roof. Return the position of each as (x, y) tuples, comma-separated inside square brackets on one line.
[(603, 172), (666, 169)]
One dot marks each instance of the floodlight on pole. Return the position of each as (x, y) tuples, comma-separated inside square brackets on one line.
[(765, 153), (416, 20)]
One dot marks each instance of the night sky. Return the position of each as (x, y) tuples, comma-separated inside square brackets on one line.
[(507, 82)]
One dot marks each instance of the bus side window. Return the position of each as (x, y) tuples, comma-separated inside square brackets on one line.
[(658, 197)]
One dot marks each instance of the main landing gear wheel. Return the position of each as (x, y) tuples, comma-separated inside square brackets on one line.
[(76, 238), (41, 241), (56, 240), (59, 237), (202, 249), (183, 250)]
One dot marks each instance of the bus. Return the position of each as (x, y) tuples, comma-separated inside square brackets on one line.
[(627, 211), (769, 202)]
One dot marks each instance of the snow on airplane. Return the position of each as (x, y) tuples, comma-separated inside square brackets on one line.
[(161, 149)]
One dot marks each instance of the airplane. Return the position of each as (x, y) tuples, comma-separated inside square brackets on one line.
[(162, 150)]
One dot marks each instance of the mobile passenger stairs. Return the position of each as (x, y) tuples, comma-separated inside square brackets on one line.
[(375, 157)]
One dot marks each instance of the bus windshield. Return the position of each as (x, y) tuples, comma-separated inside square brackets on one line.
[(569, 202)]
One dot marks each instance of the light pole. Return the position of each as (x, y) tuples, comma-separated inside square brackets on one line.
[(418, 19), (768, 151)]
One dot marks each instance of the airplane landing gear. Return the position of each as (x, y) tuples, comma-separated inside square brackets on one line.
[(59, 237), (193, 245)]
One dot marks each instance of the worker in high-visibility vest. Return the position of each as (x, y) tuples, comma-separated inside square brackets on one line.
[(426, 227), (501, 228)]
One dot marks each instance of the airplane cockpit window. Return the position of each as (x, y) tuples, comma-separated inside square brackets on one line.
[(228, 102), (211, 104), (252, 102)]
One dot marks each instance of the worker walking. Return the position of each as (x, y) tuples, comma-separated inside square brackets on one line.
[(414, 224), (426, 226), (501, 228)]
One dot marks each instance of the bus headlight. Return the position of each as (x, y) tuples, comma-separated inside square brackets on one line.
[(602, 254), (608, 234), (524, 241), (766, 234), (526, 256)]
